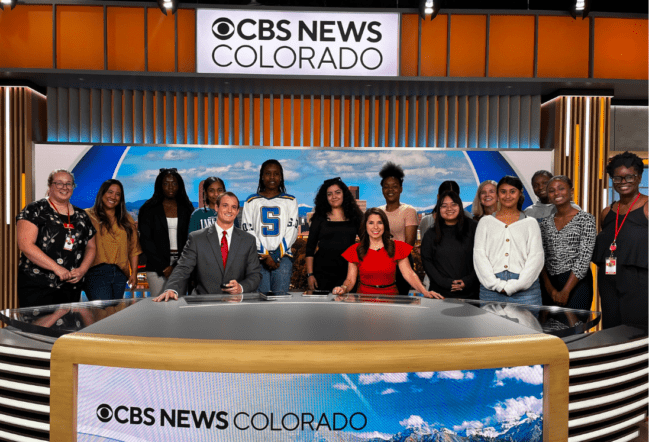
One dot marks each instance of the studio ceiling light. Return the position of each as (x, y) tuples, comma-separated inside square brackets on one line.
[(428, 9), (581, 8), (11, 3), (168, 5)]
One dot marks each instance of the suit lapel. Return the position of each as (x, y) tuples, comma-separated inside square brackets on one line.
[(232, 251), (213, 237)]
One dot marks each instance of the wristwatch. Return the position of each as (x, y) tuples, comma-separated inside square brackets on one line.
[(309, 274)]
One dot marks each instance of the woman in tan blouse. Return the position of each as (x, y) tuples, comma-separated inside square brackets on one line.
[(118, 247)]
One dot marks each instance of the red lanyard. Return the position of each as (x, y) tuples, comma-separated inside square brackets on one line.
[(617, 217), (69, 225)]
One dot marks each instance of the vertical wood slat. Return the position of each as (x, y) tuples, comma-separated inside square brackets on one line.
[(117, 116), (63, 113), (473, 122), (138, 117), (84, 115), (412, 121), (535, 122), (180, 118), (106, 117), (421, 123), (525, 113), (190, 132), (74, 115), (52, 114), (200, 116), (494, 101), (159, 118), (169, 118), (442, 120), (483, 121), (128, 116), (148, 118), (210, 119), (514, 121), (462, 121), (503, 122), (452, 122)]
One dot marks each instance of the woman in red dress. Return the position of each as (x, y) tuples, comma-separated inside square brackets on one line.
[(375, 259)]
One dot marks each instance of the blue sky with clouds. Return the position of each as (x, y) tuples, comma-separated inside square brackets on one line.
[(304, 171)]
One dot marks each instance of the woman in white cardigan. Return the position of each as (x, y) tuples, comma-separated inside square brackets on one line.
[(508, 250)]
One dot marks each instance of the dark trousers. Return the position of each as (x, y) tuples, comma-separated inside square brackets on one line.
[(581, 296), (402, 285), (33, 295), (104, 282), (624, 296)]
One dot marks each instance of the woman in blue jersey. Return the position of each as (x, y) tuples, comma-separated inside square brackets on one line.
[(206, 215), (271, 216)]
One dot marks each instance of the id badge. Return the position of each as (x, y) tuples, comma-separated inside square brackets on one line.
[(611, 264), (69, 242)]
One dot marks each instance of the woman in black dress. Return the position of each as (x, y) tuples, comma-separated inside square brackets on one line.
[(447, 250), (334, 227), (621, 247)]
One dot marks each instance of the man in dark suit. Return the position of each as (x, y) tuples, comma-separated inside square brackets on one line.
[(205, 250)]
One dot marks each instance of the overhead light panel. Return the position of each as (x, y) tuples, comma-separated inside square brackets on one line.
[(580, 8), (428, 9), (11, 3), (168, 6)]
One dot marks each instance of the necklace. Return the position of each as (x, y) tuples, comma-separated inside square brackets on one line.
[(67, 225)]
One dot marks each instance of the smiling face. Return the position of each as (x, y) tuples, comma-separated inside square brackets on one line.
[(488, 197), (213, 191), (508, 196), (112, 197), (392, 189), (539, 185), (227, 211), (625, 188), (375, 227), (61, 188), (335, 196), (272, 177), (170, 186), (559, 193), (449, 211)]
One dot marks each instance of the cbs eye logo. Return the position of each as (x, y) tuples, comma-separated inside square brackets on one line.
[(104, 412), (223, 28)]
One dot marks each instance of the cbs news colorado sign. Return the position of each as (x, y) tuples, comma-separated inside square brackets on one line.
[(297, 43)]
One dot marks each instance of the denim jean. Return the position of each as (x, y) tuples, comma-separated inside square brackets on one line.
[(104, 282), (277, 280), (530, 296)]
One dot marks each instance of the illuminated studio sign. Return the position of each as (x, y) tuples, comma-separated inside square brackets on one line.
[(297, 43)]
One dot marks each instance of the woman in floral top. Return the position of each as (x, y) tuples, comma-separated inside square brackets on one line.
[(57, 244)]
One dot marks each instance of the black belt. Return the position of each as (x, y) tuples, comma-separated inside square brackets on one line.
[(379, 286)]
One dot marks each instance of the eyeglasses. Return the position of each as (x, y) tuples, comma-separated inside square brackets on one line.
[(627, 178), (60, 185), (172, 169)]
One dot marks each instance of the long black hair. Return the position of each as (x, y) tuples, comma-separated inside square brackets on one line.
[(461, 228), (364, 244), (349, 206), (513, 181), (261, 187), (121, 216), (182, 200), (206, 185)]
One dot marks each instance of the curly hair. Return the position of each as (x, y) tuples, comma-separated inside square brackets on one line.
[(350, 208), (121, 217), (516, 182), (461, 227), (261, 187), (182, 199), (364, 244), (626, 159), (390, 169)]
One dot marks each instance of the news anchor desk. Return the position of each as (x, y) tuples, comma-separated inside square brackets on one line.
[(308, 368)]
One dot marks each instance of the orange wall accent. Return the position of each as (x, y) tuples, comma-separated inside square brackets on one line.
[(235, 117), (255, 108), (337, 127), (277, 120), (468, 42), (307, 121), (297, 119), (316, 121), (511, 46), (557, 59), (160, 34), (125, 29), (186, 40), (26, 36), (266, 103), (326, 117), (287, 120), (434, 42), (225, 122), (80, 37), (620, 48), (409, 44)]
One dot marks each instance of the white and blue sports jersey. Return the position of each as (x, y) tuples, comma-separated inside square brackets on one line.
[(273, 221)]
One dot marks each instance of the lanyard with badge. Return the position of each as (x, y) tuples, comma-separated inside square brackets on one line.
[(69, 237), (611, 262)]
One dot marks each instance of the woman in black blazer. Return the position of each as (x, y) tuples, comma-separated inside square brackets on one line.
[(163, 223)]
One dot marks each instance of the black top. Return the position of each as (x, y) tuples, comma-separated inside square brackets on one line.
[(331, 238), (51, 240), (631, 241), (449, 260), (154, 235)]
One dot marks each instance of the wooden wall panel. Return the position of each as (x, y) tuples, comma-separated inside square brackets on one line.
[(80, 37), (620, 48), (468, 42), (26, 36), (556, 58), (125, 39), (511, 46)]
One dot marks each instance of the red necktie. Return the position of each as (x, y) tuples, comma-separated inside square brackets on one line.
[(224, 247)]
